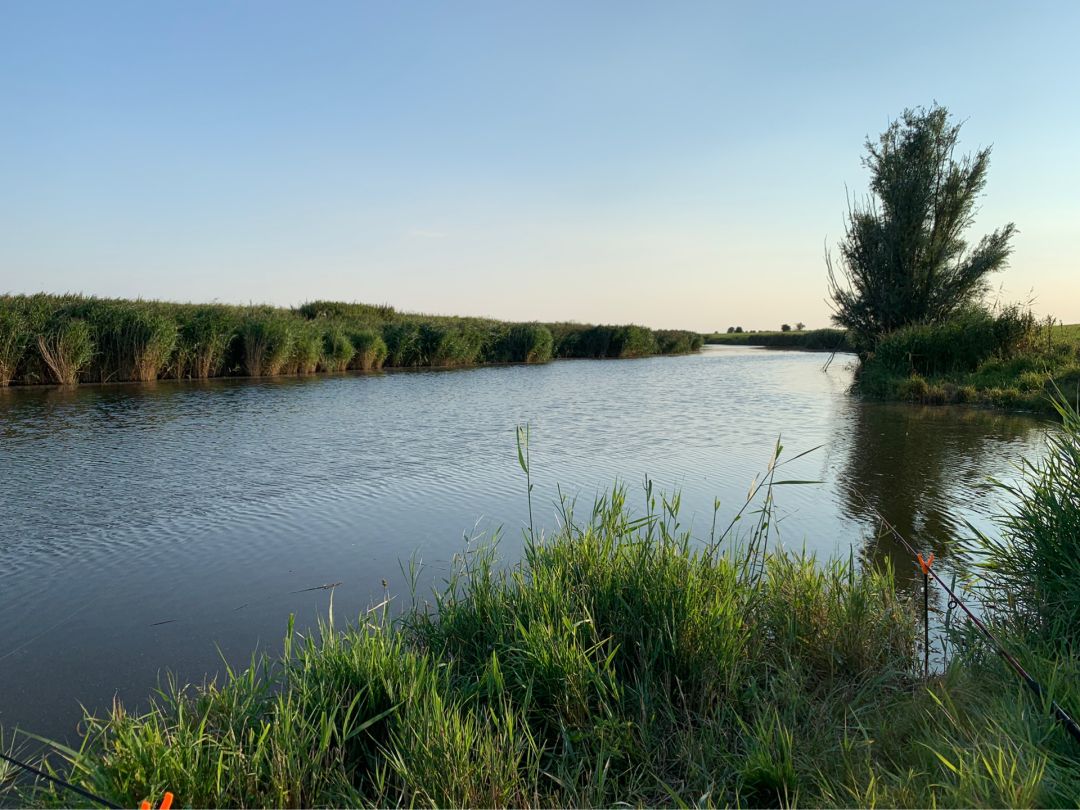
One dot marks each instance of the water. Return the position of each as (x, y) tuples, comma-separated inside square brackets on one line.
[(154, 528)]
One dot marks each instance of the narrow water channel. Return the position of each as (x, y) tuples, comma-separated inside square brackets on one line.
[(145, 528)]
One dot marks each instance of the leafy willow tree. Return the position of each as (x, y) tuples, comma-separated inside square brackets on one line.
[(903, 258)]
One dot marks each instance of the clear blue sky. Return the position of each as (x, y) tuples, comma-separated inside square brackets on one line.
[(674, 164)]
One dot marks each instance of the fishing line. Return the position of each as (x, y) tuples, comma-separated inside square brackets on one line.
[(57, 780), (1059, 713)]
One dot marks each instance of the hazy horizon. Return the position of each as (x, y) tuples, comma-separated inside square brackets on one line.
[(676, 165)]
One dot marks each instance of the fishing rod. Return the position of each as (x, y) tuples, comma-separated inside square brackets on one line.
[(58, 781), (1071, 726)]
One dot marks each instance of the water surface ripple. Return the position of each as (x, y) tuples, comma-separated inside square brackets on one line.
[(146, 526)]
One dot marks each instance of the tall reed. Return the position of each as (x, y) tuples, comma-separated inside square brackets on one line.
[(145, 340), (66, 350), (267, 342), (305, 349), (370, 349), (14, 338), (206, 334), (133, 340), (522, 343), (404, 344), (1031, 569), (338, 350)]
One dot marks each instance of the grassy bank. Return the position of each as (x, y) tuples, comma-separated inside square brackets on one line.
[(70, 339), (1004, 361), (818, 340), (624, 662)]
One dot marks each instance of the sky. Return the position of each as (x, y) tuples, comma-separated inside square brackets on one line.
[(676, 164)]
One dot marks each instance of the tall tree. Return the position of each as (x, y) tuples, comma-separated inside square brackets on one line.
[(903, 258)]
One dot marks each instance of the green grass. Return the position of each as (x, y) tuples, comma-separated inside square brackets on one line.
[(1025, 378), (624, 662), (42, 341), (1036, 558)]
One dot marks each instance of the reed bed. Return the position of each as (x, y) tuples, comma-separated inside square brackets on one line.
[(14, 338), (206, 335), (338, 351), (585, 340), (68, 339)]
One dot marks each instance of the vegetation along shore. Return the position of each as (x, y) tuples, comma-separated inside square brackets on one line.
[(817, 340), (624, 661), (67, 339)]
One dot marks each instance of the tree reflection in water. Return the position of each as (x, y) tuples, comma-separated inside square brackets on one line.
[(913, 465)]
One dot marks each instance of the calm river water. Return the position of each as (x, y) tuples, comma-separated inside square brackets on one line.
[(145, 527)]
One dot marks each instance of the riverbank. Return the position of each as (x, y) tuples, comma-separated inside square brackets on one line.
[(1026, 377), (622, 661), (818, 340), (68, 339)]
